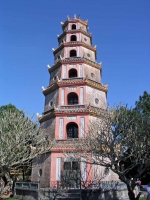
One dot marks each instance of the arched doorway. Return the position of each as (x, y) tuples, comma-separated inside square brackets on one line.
[(73, 26), (73, 53), (72, 130), (73, 38), (72, 73), (72, 98)]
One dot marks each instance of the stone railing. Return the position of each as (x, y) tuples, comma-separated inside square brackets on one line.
[(27, 185), (75, 107)]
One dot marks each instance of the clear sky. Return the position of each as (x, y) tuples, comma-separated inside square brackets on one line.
[(28, 32)]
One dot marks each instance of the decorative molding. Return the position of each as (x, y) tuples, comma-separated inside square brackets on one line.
[(65, 71), (81, 95), (61, 123), (71, 117), (82, 121), (58, 169), (72, 88), (80, 71), (83, 168), (62, 96)]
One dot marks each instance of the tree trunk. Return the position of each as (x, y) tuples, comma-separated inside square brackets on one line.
[(131, 194)]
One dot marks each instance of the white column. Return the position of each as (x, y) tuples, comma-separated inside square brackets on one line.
[(83, 168), (61, 126), (58, 168), (80, 71), (81, 95), (65, 71), (82, 126), (78, 53), (62, 96), (77, 37), (66, 48)]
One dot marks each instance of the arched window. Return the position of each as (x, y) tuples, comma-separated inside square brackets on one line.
[(72, 130), (73, 26), (72, 98), (73, 53), (72, 73), (73, 38)]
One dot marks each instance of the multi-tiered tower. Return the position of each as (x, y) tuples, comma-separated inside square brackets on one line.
[(74, 93)]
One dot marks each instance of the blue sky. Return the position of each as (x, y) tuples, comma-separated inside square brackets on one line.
[(28, 32)]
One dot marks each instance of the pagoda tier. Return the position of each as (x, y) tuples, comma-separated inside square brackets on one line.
[(74, 97)]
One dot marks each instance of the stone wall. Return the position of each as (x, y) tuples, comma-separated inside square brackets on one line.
[(92, 94), (50, 100), (118, 193), (87, 52), (48, 128), (54, 74), (92, 73), (41, 170), (85, 39)]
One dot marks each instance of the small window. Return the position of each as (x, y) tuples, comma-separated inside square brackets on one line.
[(72, 73), (106, 171), (51, 103), (92, 75), (88, 55), (72, 130), (74, 165), (73, 38), (40, 172), (73, 26), (85, 39), (72, 98), (96, 101), (73, 53)]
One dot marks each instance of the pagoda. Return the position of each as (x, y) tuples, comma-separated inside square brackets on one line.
[(74, 94)]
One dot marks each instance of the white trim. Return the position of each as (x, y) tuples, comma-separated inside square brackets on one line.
[(61, 125), (58, 166), (81, 95), (80, 71), (62, 96), (82, 126), (65, 71), (83, 168)]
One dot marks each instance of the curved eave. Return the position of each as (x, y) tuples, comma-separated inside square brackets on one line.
[(73, 31), (46, 117), (51, 88), (71, 82), (76, 43), (71, 112), (75, 60), (97, 85), (73, 21)]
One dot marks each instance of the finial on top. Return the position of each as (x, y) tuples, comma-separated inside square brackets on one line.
[(43, 88), (68, 17), (53, 49), (86, 21), (75, 16), (100, 63), (57, 35), (61, 23), (48, 66), (38, 115)]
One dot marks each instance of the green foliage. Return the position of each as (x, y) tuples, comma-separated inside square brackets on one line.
[(9, 107), (18, 136), (143, 105)]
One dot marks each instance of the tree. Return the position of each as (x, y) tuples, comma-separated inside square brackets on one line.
[(21, 139), (119, 139)]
